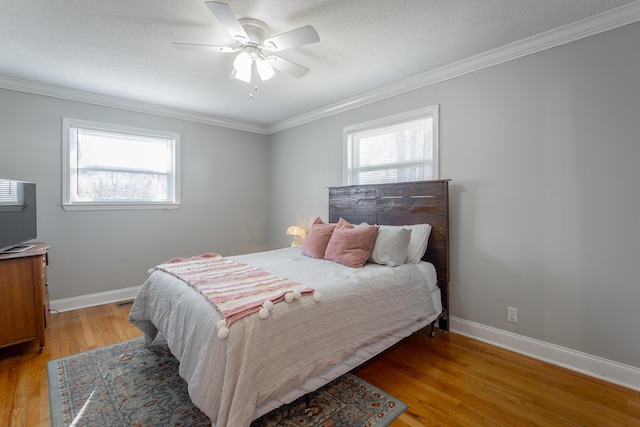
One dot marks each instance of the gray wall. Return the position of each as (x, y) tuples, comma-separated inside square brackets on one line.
[(545, 192), (224, 194), (543, 152)]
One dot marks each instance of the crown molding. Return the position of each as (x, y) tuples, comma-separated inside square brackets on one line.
[(597, 24), (124, 104), (615, 18)]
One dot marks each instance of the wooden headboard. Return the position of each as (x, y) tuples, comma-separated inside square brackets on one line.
[(421, 202)]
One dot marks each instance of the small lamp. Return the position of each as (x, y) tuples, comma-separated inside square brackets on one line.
[(297, 232)]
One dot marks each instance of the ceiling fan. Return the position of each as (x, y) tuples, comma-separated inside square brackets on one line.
[(254, 46)]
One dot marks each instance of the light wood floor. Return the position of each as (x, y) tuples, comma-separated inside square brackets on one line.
[(449, 380)]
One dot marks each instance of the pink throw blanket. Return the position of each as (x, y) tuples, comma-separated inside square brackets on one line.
[(234, 288)]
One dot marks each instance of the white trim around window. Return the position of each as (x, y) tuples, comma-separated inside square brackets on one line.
[(398, 148), (107, 166)]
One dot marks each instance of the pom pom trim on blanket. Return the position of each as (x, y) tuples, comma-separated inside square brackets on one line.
[(235, 289)]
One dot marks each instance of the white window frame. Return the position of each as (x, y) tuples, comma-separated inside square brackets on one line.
[(69, 147), (348, 155)]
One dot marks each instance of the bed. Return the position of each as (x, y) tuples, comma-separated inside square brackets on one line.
[(302, 344)]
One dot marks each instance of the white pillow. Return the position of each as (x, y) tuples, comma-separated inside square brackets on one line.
[(391, 246), (419, 241)]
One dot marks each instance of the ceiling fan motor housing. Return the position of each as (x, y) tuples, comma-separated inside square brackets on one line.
[(256, 30)]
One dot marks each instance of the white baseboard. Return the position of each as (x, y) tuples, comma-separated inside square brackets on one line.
[(83, 301), (594, 366)]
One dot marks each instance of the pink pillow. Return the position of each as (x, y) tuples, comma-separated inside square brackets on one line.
[(351, 245), (317, 239)]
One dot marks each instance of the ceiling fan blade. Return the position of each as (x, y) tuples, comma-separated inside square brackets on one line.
[(286, 66), (228, 19), (208, 47), (298, 37)]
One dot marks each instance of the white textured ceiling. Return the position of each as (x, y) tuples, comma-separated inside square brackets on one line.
[(121, 48)]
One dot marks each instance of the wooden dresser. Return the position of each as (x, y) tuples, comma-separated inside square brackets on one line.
[(24, 296)]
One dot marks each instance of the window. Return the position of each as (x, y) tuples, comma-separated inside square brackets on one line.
[(115, 167), (10, 197), (401, 148)]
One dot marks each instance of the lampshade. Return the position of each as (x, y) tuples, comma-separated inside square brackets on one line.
[(265, 70), (243, 64), (297, 232)]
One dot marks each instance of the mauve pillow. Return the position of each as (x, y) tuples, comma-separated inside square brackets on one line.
[(317, 239), (351, 246)]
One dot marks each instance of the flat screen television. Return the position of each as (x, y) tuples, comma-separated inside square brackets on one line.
[(18, 223)]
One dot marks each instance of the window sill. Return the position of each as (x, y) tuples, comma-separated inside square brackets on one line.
[(118, 206)]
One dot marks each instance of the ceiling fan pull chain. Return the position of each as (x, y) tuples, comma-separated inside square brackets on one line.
[(255, 89)]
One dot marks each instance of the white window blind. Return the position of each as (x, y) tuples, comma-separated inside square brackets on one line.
[(115, 167), (397, 149), (9, 193)]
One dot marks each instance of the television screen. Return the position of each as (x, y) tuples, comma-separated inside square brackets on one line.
[(18, 222)]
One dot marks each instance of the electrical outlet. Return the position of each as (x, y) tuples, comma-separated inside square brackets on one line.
[(512, 314)]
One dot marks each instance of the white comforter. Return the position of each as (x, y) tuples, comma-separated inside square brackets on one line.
[(262, 359)]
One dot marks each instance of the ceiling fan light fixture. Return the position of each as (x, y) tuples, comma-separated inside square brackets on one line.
[(243, 64), (251, 40), (244, 75), (265, 70)]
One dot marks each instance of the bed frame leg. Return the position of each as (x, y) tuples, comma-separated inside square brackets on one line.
[(443, 324), (433, 329), (443, 321)]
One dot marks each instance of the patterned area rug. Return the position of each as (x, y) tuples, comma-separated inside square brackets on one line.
[(130, 384)]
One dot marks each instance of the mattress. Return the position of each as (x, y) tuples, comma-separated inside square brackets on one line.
[(301, 346)]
